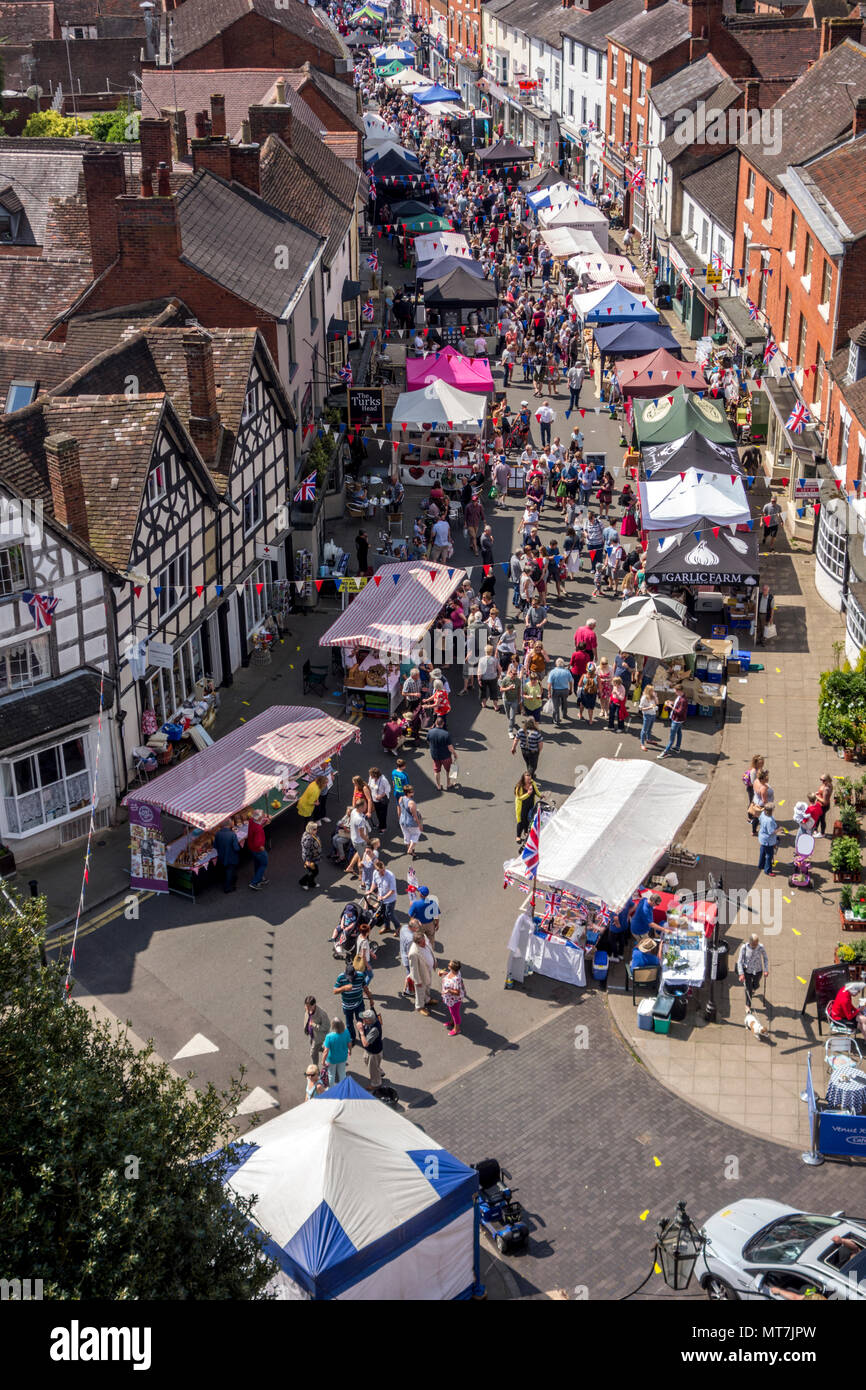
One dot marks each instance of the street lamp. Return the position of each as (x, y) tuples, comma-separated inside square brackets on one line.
[(678, 1245)]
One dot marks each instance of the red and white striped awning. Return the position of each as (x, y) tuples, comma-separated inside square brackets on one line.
[(395, 608), (281, 743)]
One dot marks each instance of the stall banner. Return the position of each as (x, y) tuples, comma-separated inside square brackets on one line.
[(426, 474), (841, 1135), (351, 584), (148, 868)]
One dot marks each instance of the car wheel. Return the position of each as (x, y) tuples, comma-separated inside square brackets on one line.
[(718, 1290)]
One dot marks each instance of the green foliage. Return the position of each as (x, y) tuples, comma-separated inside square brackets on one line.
[(119, 126), (51, 125), (852, 952), (845, 898), (320, 456), (845, 855), (101, 1195), (843, 792), (850, 821), (842, 708)]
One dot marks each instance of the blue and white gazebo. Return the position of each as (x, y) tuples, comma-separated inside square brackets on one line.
[(358, 1203)]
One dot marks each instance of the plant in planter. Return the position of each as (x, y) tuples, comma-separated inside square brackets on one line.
[(845, 859), (844, 954), (845, 897), (860, 793), (843, 792), (850, 822)]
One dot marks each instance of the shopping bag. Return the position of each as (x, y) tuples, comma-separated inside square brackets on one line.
[(453, 774), (547, 709), (770, 630)]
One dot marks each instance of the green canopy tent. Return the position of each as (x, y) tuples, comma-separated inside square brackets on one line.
[(390, 69), (417, 226), (681, 412)]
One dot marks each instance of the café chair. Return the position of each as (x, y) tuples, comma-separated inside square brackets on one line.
[(644, 977)]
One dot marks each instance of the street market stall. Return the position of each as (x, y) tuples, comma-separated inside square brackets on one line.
[(605, 266), (671, 504), (504, 154), (717, 567), (565, 242), (264, 765), (435, 93), (580, 216), (613, 303), (679, 412), (692, 451), (440, 407), (656, 373), (358, 1204), (377, 630), (552, 195), (470, 374), (427, 248), (442, 265), (594, 852), (633, 339)]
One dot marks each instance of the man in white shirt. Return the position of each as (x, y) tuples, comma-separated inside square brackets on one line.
[(545, 417), (575, 382), (440, 540), (480, 345), (385, 888)]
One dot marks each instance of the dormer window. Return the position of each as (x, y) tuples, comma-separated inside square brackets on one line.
[(11, 209), (856, 361)]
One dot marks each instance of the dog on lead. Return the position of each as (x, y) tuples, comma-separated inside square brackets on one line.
[(754, 1025)]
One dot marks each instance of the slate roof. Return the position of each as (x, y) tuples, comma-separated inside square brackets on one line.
[(230, 235), (339, 94), (815, 111), (310, 183), (685, 87), (853, 391), (715, 188), (593, 29), (30, 714), (38, 177), (655, 32), (196, 22), (840, 177), (538, 18), (28, 359), (241, 87), (778, 51), (22, 22)]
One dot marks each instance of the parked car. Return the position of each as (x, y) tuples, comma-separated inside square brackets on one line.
[(757, 1245)]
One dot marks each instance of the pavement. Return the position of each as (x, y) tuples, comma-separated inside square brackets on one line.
[(218, 985)]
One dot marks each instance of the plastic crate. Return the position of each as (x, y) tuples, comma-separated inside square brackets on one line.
[(742, 623), (661, 1025), (706, 711), (692, 710)]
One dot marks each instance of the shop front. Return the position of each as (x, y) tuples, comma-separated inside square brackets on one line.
[(694, 301), (791, 458)]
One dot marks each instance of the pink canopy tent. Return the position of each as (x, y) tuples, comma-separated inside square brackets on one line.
[(658, 373), (449, 365)]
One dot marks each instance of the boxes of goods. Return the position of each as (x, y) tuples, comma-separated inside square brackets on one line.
[(715, 671)]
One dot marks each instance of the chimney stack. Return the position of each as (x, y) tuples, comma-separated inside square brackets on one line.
[(218, 115), (245, 166), (859, 123), (67, 487), (154, 136), (271, 120), (836, 30), (149, 233), (104, 181), (201, 125), (214, 155), (652, 5), (146, 182), (204, 419), (179, 136)]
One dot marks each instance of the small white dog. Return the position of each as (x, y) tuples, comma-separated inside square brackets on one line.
[(754, 1025)]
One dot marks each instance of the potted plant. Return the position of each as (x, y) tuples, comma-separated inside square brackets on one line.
[(845, 902), (7, 861), (850, 822), (845, 860), (843, 792), (860, 793)]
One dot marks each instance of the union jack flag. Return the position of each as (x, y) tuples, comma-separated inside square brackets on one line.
[(753, 310), (769, 352), (373, 261), (717, 260), (307, 491), (345, 374), (529, 853), (41, 606), (368, 311), (637, 179), (798, 419)]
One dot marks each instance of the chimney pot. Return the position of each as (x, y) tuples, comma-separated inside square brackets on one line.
[(67, 488), (201, 125), (218, 114), (246, 136), (163, 187), (281, 91), (146, 183)]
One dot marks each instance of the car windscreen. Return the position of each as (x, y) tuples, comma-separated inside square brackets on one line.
[(785, 1240)]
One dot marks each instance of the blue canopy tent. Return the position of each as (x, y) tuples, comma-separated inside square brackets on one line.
[(634, 339), (356, 1202), (436, 93), (619, 305)]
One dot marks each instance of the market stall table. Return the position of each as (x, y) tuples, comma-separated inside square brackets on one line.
[(846, 1090)]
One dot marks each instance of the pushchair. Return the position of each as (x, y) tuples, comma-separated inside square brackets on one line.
[(345, 933), (517, 436)]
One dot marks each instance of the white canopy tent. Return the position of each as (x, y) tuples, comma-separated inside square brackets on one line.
[(435, 244), (670, 504), (409, 80), (578, 215), (607, 266), (569, 241), (603, 841), (375, 127), (441, 408)]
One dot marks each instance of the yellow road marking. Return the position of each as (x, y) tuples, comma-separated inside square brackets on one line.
[(91, 924)]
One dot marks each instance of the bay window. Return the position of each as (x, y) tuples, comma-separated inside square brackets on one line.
[(45, 786), (24, 662)]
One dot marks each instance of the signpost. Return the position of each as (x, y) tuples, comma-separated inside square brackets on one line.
[(161, 654), (714, 275), (365, 405)]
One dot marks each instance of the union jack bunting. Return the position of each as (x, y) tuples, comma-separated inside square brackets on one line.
[(307, 491), (41, 606), (637, 179), (798, 419), (753, 310), (373, 261), (529, 853), (717, 260), (345, 374), (368, 311), (769, 352)]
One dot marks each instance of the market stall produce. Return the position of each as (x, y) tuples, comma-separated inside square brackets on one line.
[(264, 765)]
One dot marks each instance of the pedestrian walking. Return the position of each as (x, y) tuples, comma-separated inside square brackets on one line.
[(311, 853), (411, 823), (441, 751), (575, 383), (545, 416), (771, 516), (530, 740), (753, 966), (337, 1050), (315, 1027), (359, 834), (453, 995), (314, 1086), (362, 550), (679, 710), (527, 795), (380, 792), (228, 852), (352, 989), (762, 792), (421, 965), (256, 845), (370, 1038), (489, 672), (752, 772), (587, 692), (649, 709), (764, 625), (767, 839), (559, 687), (509, 691), (385, 888), (425, 912)]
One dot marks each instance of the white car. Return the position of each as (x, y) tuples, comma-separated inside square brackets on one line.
[(757, 1245)]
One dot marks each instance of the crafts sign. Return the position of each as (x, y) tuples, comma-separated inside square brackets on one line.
[(365, 405), (426, 474)]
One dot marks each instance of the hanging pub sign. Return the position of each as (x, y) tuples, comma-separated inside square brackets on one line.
[(307, 410), (365, 405)]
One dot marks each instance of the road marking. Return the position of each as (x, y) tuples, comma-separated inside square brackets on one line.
[(616, 754), (657, 1161), (255, 1101), (91, 924), (644, 1214), (196, 1047)]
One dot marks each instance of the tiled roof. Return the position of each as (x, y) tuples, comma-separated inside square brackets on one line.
[(692, 82), (344, 143), (853, 391), (26, 715), (217, 219), (28, 359), (592, 29), (21, 22), (715, 188), (196, 22), (40, 177), (339, 94), (241, 87), (35, 292), (536, 17), (653, 33), (311, 184), (815, 112), (779, 51), (840, 177)]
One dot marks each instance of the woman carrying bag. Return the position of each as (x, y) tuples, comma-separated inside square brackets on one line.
[(527, 794)]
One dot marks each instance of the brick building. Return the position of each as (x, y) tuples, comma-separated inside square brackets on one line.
[(251, 34)]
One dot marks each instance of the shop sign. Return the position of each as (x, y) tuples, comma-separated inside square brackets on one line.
[(351, 584), (161, 654), (365, 405), (307, 410), (267, 552), (808, 487), (426, 474), (148, 869), (700, 577), (714, 275)]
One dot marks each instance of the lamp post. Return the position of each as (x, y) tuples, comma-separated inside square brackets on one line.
[(678, 1245), (710, 1010)]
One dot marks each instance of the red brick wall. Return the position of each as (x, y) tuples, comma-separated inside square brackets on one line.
[(330, 116), (851, 461), (254, 42)]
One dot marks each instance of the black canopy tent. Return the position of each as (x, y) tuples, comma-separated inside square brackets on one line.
[(703, 555), (546, 179), (505, 152), (412, 207), (460, 287), (634, 339), (692, 451)]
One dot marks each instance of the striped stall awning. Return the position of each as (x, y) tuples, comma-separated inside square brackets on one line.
[(396, 607), (283, 742)]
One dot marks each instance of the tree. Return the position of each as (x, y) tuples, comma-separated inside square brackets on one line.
[(101, 1191), (118, 126)]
